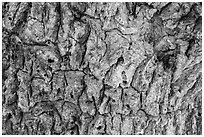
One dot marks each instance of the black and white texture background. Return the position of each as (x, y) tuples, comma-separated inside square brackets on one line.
[(102, 68)]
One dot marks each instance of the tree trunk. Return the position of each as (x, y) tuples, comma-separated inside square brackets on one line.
[(102, 68)]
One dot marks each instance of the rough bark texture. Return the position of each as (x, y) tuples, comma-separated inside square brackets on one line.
[(102, 68)]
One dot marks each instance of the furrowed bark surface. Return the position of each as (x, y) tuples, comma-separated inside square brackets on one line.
[(102, 68)]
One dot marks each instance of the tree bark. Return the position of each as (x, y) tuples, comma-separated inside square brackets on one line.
[(102, 68)]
